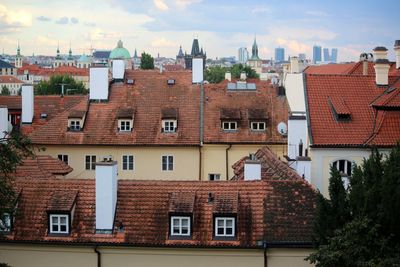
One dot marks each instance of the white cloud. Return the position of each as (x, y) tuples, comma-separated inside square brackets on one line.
[(62, 21), (74, 20), (46, 41), (293, 46), (260, 9), (162, 42), (184, 3), (303, 33), (161, 5), (15, 18)]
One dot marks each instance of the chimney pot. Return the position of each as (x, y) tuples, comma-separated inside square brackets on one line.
[(243, 76), (294, 65), (381, 71)]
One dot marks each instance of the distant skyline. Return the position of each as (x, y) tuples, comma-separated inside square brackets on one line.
[(161, 26)]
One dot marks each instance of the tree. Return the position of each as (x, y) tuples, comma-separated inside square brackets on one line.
[(360, 226), (237, 69), (215, 74), (147, 62), (54, 86), (5, 90)]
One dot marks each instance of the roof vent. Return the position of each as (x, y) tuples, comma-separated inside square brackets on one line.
[(43, 116), (130, 81), (107, 158), (170, 81)]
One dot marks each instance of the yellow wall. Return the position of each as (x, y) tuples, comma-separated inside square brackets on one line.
[(43, 256)]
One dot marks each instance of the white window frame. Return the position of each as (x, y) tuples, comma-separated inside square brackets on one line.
[(75, 125), (123, 125), (229, 125), (180, 225), (343, 173), (224, 227), (5, 226), (59, 224), (169, 126), (214, 175), (127, 166), (255, 126), (64, 158), (92, 164), (169, 165)]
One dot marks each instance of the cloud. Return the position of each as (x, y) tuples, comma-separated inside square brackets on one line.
[(185, 3), (74, 20), (294, 46), (162, 42), (90, 24), (63, 20), (43, 18), (13, 20), (161, 5), (303, 34), (98, 34), (45, 41)]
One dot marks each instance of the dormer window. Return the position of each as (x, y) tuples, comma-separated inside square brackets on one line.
[(75, 125), (61, 211), (181, 205), (257, 126), (76, 119), (229, 125), (59, 224), (125, 119), (229, 119), (340, 109), (5, 222), (180, 226), (169, 117), (225, 226), (257, 119)]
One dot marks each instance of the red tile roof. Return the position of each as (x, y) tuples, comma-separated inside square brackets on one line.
[(343, 68), (42, 166), (68, 70), (357, 69), (358, 92), (31, 69), (9, 79)]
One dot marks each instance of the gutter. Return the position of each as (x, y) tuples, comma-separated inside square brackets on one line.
[(227, 160), (98, 256)]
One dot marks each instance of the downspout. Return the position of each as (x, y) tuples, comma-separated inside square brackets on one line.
[(265, 254), (98, 256), (227, 161), (201, 128)]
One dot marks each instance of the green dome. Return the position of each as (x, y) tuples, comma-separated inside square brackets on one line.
[(120, 52), (83, 58)]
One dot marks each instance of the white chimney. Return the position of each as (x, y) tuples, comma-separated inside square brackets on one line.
[(197, 70), (243, 76), (397, 51), (3, 120), (27, 104), (381, 65), (98, 83), (106, 195), (228, 76), (294, 65), (252, 169), (118, 69), (303, 167), (380, 52)]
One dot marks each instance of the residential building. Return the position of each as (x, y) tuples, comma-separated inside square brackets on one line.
[(107, 221), (60, 61), (195, 53), (279, 54), (101, 57), (12, 83), (317, 56), (84, 62), (7, 69), (243, 55), (255, 62)]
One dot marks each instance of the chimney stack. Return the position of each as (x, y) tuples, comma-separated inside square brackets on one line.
[(252, 169), (106, 194), (294, 65), (397, 52), (228, 76), (3, 120), (27, 104), (243, 76), (98, 83), (118, 70), (197, 70), (381, 66)]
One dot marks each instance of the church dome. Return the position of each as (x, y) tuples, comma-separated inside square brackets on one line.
[(83, 58), (120, 52)]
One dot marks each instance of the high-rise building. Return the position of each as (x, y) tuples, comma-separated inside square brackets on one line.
[(317, 51), (327, 58), (243, 55), (279, 54), (334, 55)]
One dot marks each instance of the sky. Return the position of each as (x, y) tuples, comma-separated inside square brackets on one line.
[(222, 26)]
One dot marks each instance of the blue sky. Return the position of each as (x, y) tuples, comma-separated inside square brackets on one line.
[(161, 26)]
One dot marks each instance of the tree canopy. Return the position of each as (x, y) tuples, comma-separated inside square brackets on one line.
[(216, 74), (359, 226), (5, 90), (147, 62), (54, 86)]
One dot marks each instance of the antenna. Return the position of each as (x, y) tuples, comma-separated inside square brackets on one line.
[(282, 128)]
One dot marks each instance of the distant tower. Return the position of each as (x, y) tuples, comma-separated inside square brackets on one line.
[(327, 57), (243, 55), (317, 54), (279, 54), (18, 58), (334, 55), (255, 62), (58, 59), (180, 58), (196, 53), (136, 60), (70, 58)]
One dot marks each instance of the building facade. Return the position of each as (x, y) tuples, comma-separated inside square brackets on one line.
[(279, 54), (243, 55), (317, 54)]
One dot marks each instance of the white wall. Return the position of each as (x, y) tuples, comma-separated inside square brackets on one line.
[(27, 104), (294, 86), (297, 130), (99, 83), (197, 70)]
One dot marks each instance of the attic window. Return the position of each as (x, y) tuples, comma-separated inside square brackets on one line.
[(59, 224), (169, 126), (225, 226), (5, 222), (125, 125), (125, 119), (257, 126), (61, 211), (229, 125), (169, 118), (74, 125), (170, 81), (180, 226), (339, 108)]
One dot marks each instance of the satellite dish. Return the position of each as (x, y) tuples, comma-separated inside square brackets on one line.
[(282, 128)]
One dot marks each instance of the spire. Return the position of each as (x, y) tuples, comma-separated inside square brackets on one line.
[(58, 56), (135, 55), (195, 47), (18, 50), (180, 53), (119, 44), (70, 52), (254, 50)]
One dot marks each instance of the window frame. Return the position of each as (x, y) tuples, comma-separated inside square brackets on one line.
[(128, 166), (174, 124), (224, 219), (123, 127), (64, 158), (168, 164), (258, 123), (6, 226), (75, 125), (345, 173), (59, 216), (180, 218), (214, 175), (92, 164), (230, 124)]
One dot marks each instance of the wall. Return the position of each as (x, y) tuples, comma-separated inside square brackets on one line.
[(294, 86), (45, 255)]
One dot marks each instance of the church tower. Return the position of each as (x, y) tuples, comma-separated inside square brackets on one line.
[(58, 60), (70, 58), (18, 58), (255, 62)]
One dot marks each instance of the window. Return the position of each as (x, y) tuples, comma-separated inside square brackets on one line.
[(167, 163), (5, 223), (180, 226), (125, 126), (75, 126), (59, 224), (225, 226), (343, 166), (214, 176), (127, 162), (63, 158), (257, 126), (169, 126), (90, 162), (229, 125)]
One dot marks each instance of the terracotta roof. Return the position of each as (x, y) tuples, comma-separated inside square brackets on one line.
[(358, 69), (350, 94), (125, 113), (272, 168), (70, 70), (260, 114), (343, 68), (230, 114), (62, 200), (169, 113), (279, 211), (42, 166), (77, 113), (31, 69), (173, 67), (390, 99), (9, 79)]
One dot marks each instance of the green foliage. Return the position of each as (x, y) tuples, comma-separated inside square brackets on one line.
[(215, 74), (4, 265), (5, 90), (54, 87), (147, 62), (239, 68), (360, 226)]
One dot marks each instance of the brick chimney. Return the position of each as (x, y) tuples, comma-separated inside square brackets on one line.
[(106, 194), (397, 52), (381, 65)]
